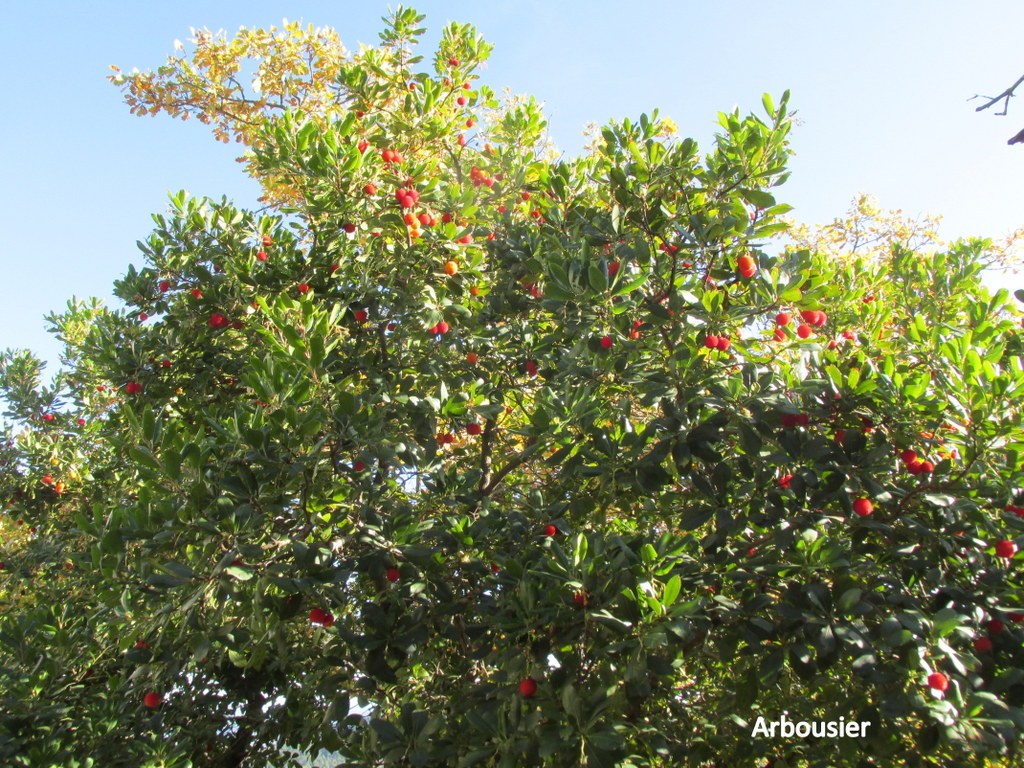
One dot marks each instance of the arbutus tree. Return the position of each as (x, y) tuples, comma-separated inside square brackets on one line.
[(465, 454)]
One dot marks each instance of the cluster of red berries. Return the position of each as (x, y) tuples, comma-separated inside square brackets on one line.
[(425, 219), (533, 288), (790, 420), (914, 465), (721, 343), (321, 617), (407, 197), (439, 329), (217, 320), (480, 178)]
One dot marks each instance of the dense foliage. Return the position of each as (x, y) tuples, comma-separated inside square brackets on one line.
[(465, 454)]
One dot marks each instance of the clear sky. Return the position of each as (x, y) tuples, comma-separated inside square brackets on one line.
[(881, 88)]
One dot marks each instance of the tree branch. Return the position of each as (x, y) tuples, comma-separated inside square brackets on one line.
[(1004, 97)]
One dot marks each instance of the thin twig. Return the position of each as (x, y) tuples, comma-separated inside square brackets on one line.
[(1004, 96)]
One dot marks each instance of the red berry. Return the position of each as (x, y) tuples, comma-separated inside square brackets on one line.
[(527, 687), (261, 255), (711, 342), (361, 315), (863, 507), (790, 420), (550, 530), (393, 574), (785, 481), (197, 293), (453, 62), (938, 681), (132, 388), (803, 331), (782, 318), (723, 343), (531, 367), (1005, 548), (267, 241), (780, 335), (303, 287), (358, 466), (474, 428), (362, 145), (442, 327), (927, 467), (613, 268), (580, 598), (982, 645), (461, 101), (151, 699), (908, 456), (746, 266), (165, 285), (349, 227), (606, 342), (995, 627)]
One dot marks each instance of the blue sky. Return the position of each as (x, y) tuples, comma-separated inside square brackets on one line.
[(881, 89)]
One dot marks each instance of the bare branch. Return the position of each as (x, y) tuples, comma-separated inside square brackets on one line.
[(1005, 97)]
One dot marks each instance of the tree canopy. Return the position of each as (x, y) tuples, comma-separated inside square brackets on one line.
[(464, 453)]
